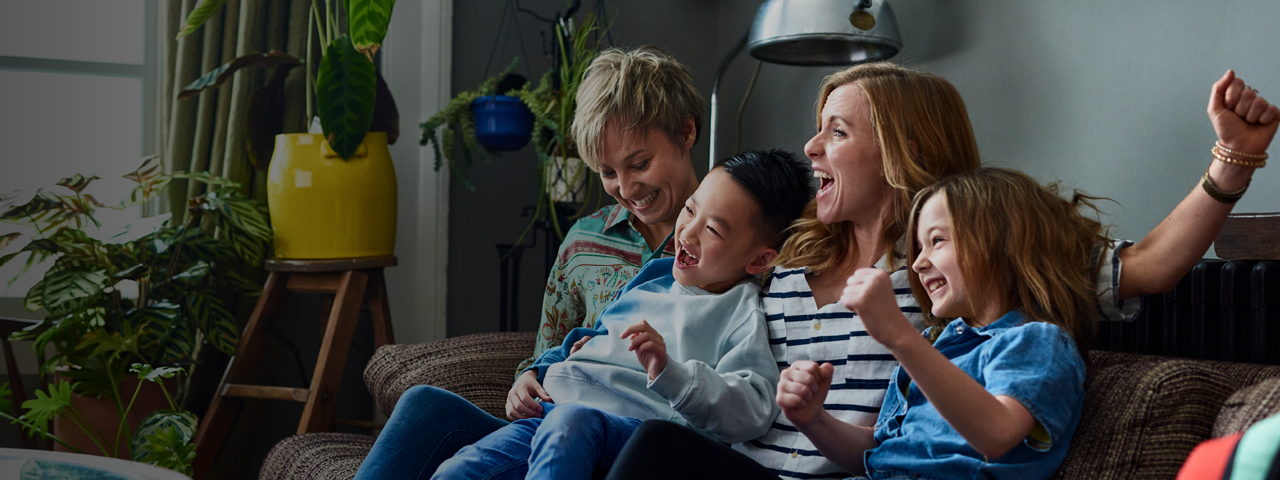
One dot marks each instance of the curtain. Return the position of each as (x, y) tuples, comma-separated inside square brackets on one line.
[(206, 132)]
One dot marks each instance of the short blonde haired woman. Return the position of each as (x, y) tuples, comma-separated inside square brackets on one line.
[(884, 133)]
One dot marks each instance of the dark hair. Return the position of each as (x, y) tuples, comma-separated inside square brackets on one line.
[(780, 183)]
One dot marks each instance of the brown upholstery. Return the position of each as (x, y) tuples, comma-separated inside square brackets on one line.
[(334, 456), (1247, 407), (1142, 415), (479, 368)]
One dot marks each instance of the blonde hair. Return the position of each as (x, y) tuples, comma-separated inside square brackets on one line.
[(1019, 239), (923, 130), (641, 89)]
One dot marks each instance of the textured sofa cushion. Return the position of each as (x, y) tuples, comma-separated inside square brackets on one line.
[(316, 456), (479, 368), (1247, 407), (1142, 416)]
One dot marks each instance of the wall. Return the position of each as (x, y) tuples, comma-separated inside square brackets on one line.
[(490, 215), (1108, 97)]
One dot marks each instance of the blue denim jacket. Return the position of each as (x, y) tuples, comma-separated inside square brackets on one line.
[(1034, 362)]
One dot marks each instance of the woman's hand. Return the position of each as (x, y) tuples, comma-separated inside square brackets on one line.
[(650, 349), (1243, 120), (522, 400), (802, 388), (870, 294)]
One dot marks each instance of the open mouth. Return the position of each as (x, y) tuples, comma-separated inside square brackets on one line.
[(827, 181), (644, 202), (684, 258), (935, 285)]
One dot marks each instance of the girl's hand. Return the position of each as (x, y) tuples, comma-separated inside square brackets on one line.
[(802, 389), (649, 347), (870, 294), (578, 345), (522, 400), (1243, 120)]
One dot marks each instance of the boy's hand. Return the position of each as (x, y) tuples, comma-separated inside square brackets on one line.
[(649, 347), (870, 294), (522, 400), (802, 389), (578, 345)]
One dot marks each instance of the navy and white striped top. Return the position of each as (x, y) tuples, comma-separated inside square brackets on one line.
[(801, 330)]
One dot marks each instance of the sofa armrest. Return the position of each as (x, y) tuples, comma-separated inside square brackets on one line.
[(479, 368)]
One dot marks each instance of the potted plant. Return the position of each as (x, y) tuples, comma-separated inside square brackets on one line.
[(148, 295), (331, 195), (562, 176)]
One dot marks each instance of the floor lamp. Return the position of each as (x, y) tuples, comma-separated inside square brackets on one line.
[(811, 33)]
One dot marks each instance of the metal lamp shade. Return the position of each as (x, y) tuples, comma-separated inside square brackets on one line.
[(824, 32)]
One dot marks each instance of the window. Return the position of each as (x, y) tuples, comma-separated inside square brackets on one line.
[(79, 79)]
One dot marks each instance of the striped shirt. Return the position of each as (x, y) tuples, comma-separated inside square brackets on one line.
[(801, 330), (599, 255)]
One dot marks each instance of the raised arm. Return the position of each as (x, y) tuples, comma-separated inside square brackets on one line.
[(992, 424), (1244, 122)]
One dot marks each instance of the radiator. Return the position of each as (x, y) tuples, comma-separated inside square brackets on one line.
[(1222, 310)]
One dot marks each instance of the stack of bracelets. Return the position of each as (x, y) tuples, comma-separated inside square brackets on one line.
[(1227, 155)]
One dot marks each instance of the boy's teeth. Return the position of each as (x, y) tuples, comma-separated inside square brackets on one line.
[(825, 175)]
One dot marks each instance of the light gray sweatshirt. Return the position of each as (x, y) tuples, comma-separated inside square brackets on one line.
[(720, 375)]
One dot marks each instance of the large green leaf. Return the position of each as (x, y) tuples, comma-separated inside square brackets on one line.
[(200, 15), (167, 447), (69, 291), (35, 296), (191, 276), (367, 22), (345, 92), (184, 423), (46, 407), (43, 211), (78, 182), (216, 77), (218, 324)]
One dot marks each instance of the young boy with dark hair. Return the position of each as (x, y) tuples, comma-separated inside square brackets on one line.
[(692, 347)]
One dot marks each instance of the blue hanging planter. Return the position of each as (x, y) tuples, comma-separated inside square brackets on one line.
[(503, 123)]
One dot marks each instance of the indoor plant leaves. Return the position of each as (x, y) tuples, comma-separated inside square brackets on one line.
[(200, 15), (367, 24), (264, 117), (345, 91), (215, 78)]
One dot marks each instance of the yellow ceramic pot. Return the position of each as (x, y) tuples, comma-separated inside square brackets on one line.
[(325, 207)]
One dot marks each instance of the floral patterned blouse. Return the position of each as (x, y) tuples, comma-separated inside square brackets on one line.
[(598, 257)]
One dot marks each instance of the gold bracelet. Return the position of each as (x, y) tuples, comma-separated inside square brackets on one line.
[(1236, 153), (1234, 161), (1219, 195)]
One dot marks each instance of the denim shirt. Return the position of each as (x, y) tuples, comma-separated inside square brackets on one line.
[(1036, 363)]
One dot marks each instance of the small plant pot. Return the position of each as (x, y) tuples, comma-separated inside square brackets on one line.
[(102, 414), (567, 179), (503, 123)]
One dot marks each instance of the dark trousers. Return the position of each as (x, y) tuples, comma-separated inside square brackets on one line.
[(668, 451)]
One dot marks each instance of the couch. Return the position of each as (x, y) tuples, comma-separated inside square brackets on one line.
[(1142, 415)]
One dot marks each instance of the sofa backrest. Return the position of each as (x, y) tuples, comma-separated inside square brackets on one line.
[(1143, 414)]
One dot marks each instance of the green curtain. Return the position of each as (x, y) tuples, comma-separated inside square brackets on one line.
[(206, 132)]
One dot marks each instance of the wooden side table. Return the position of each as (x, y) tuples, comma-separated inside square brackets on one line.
[(350, 282)]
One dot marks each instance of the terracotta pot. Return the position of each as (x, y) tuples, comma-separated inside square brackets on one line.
[(101, 413), (325, 207)]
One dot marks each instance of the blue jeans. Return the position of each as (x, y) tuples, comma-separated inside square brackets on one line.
[(569, 442), (427, 427)]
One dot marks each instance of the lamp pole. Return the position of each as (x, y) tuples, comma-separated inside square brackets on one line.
[(715, 99)]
